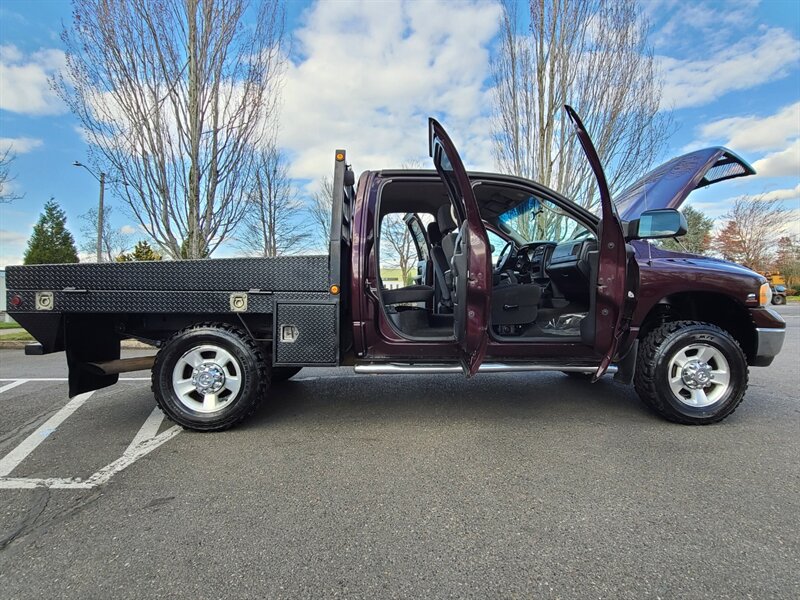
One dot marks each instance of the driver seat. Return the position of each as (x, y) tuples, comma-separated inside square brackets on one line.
[(515, 303)]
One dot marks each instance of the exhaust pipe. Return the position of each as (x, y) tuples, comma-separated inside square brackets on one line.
[(122, 365)]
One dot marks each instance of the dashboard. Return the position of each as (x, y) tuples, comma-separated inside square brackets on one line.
[(566, 265)]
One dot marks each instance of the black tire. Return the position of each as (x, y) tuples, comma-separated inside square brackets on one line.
[(283, 373), (248, 365), (778, 299), (657, 350)]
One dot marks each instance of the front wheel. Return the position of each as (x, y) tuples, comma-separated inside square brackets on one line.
[(778, 299), (691, 372), (210, 376)]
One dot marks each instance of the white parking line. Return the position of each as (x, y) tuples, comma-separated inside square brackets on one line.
[(10, 461), (11, 385), (144, 442)]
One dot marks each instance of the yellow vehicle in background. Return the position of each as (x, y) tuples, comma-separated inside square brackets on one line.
[(778, 284)]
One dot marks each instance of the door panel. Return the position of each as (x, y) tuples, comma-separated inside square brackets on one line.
[(614, 294), (472, 265)]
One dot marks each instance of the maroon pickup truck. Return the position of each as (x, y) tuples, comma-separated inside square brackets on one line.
[(511, 276)]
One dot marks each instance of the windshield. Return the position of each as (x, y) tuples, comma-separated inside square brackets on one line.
[(534, 219)]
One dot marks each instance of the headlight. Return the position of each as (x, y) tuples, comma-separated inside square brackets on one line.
[(765, 294)]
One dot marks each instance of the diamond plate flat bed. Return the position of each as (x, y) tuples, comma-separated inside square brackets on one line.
[(190, 286), (281, 274), (87, 308)]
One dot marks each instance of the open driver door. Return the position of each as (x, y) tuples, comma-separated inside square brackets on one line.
[(471, 267), (617, 278)]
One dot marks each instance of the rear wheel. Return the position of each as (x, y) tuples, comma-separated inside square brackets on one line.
[(778, 299), (691, 372), (210, 376)]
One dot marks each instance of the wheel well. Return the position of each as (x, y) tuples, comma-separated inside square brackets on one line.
[(719, 309)]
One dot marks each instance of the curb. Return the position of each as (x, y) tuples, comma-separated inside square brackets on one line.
[(125, 344)]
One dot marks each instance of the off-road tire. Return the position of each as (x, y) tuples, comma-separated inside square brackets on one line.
[(283, 373), (656, 351), (255, 376)]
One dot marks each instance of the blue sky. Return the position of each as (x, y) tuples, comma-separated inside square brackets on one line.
[(365, 75)]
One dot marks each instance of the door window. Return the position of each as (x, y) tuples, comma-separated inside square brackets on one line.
[(496, 244)]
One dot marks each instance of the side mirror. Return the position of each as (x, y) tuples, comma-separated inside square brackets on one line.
[(658, 223)]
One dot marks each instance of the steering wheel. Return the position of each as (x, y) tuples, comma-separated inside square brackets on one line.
[(506, 254)]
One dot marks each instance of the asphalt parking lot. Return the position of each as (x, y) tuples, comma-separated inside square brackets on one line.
[(505, 486)]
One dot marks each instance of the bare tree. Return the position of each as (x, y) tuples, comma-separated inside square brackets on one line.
[(115, 242), (750, 233), (6, 194), (592, 54), (174, 95), (271, 224), (321, 210), (787, 259), (397, 245)]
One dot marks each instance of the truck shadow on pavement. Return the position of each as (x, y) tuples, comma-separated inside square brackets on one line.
[(434, 398)]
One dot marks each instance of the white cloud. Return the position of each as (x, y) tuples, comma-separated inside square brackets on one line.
[(782, 194), (19, 145), (371, 73), (781, 163), (7, 260), (752, 61), (755, 133), (12, 247), (711, 24), (127, 230), (12, 238), (24, 81)]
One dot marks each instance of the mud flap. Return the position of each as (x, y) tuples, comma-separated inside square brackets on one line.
[(89, 341), (627, 366)]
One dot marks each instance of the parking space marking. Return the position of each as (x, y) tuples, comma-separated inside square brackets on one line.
[(139, 447), (145, 441), (10, 461), (12, 385)]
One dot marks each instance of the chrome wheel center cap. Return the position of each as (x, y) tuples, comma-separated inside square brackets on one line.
[(697, 374), (208, 378)]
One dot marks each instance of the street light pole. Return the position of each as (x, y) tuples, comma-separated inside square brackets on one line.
[(100, 215), (100, 208)]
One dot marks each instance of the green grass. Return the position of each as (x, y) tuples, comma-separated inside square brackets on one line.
[(793, 298), (22, 336), (11, 325)]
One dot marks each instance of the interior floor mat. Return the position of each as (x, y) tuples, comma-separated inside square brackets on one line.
[(568, 324)]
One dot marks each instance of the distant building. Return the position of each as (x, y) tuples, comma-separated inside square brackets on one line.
[(392, 278), (4, 318)]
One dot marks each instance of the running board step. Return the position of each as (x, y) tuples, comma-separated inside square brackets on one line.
[(426, 369)]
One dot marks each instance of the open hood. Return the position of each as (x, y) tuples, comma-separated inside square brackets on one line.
[(668, 186)]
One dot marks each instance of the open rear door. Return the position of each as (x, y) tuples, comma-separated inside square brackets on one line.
[(471, 266), (614, 293)]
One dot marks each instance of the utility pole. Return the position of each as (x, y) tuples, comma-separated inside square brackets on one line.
[(100, 208), (100, 215)]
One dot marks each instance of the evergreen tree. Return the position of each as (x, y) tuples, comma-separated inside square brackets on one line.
[(51, 241), (698, 238), (142, 251)]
